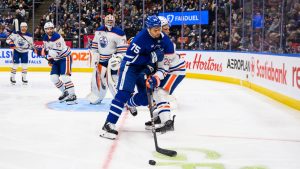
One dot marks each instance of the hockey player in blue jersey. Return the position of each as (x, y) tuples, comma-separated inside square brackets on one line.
[(20, 42), (145, 48)]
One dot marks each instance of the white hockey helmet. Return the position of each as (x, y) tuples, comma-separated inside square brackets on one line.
[(23, 24), (48, 25), (109, 21), (164, 21)]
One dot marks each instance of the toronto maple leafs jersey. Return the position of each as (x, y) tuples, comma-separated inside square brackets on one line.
[(57, 44), (15, 40), (107, 42), (139, 51)]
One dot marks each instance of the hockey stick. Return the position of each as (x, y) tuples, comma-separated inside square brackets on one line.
[(31, 45), (167, 152)]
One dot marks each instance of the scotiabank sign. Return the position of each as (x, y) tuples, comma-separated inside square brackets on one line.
[(266, 70), (276, 73)]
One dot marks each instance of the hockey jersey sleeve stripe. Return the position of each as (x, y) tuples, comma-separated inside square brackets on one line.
[(65, 53), (161, 69), (179, 65), (129, 57), (122, 47), (57, 50)]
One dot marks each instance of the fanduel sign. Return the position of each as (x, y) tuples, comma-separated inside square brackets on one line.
[(188, 18)]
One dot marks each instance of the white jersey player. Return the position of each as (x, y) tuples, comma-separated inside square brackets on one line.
[(60, 59), (171, 71), (20, 42), (108, 48)]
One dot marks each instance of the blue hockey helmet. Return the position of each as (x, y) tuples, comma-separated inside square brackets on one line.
[(152, 21)]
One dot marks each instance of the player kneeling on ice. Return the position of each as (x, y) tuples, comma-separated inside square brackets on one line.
[(59, 57), (20, 42), (108, 40), (170, 72), (144, 49)]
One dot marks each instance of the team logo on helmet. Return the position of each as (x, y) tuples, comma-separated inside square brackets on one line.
[(103, 41)]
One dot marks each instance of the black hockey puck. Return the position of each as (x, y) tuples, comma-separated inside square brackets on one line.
[(152, 162)]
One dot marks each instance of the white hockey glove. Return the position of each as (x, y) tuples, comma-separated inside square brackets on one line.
[(115, 61)]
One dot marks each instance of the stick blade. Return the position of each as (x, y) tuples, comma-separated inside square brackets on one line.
[(170, 153)]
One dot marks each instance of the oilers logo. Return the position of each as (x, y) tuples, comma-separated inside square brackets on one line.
[(103, 41), (21, 42)]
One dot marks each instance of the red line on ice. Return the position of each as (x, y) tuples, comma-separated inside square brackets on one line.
[(114, 145)]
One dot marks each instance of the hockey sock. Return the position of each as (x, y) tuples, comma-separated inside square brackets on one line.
[(24, 71), (13, 71), (163, 110), (69, 86)]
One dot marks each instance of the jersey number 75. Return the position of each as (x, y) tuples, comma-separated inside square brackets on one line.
[(135, 48)]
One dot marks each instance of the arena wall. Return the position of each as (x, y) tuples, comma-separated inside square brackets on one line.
[(276, 76)]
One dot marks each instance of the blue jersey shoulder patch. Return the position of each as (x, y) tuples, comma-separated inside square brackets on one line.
[(101, 28), (118, 31), (54, 37)]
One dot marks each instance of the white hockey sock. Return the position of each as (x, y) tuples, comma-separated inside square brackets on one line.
[(24, 71), (69, 86), (57, 82), (13, 71), (60, 86)]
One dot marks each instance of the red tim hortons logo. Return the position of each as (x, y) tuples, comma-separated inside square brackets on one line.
[(204, 64)]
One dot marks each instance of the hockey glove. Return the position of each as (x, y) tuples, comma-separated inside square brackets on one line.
[(41, 51), (152, 82), (157, 55), (50, 62), (149, 70)]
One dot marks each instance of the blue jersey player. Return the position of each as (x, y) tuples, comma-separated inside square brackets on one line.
[(145, 49)]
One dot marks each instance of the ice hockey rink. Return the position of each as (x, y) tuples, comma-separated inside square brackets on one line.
[(218, 126)]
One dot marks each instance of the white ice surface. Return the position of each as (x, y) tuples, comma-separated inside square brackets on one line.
[(243, 127)]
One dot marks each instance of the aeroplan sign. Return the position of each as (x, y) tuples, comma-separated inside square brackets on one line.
[(188, 18)]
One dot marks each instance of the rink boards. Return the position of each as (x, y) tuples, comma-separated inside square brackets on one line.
[(277, 76)]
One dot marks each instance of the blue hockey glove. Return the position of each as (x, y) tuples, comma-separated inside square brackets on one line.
[(157, 55), (149, 70), (152, 82), (50, 61), (41, 51)]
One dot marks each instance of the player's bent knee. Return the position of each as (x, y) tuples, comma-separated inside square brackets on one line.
[(65, 78), (54, 78), (123, 96)]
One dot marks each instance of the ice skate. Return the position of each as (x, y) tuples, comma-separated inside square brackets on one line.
[(63, 97), (25, 81), (167, 126), (148, 124), (71, 99), (12, 80), (108, 131)]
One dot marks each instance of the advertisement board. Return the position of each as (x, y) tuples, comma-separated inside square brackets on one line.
[(273, 75), (188, 18)]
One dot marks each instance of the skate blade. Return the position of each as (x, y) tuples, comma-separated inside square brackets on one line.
[(108, 135), (71, 102)]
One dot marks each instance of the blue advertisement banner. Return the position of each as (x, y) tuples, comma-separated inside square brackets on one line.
[(188, 18)]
